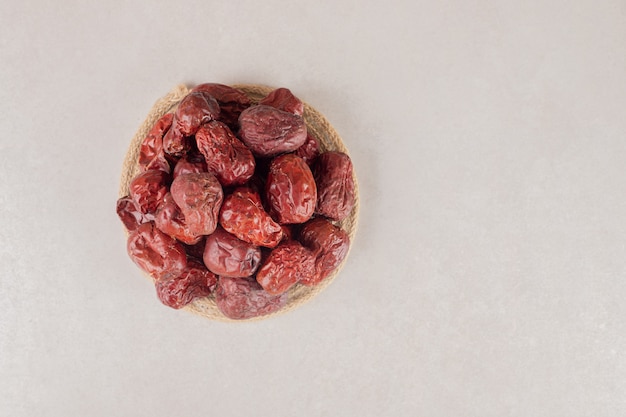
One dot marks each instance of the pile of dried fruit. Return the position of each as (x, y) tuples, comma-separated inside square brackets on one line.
[(234, 199)]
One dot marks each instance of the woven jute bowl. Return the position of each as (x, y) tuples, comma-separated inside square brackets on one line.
[(317, 125)]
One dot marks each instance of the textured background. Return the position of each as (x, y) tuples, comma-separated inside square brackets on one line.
[(488, 274)]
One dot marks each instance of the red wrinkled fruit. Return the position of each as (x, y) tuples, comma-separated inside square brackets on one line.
[(244, 298), (129, 213), (147, 190), (155, 252), (242, 215), (335, 185), (227, 157), (228, 256), (175, 144), (195, 109), (199, 196), (283, 99), (231, 101), (195, 281), (328, 243), (268, 131), (287, 264), (151, 155), (309, 150), (170, 220), (290, 189), (186, 165)]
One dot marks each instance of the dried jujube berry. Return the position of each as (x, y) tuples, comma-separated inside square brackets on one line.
[(170, 220), (268, 131), (147, 191), (231, 101), (129, 213), (243, 215), (188, 165), (151, 154), (228, 256), (175, 143), (287, 264), (156, 253), (335, 185), (283, 99), (226, 156), (309, 150), (244, 298), (199, 196), (290, 189), (329, 245), (195, 281), (194, 110)]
